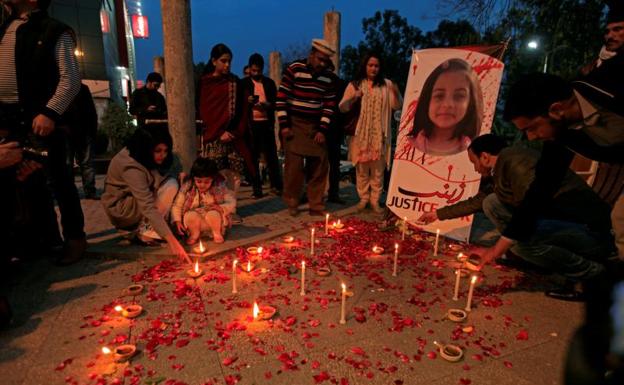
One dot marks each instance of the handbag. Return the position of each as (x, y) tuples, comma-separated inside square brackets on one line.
[(351, 117)]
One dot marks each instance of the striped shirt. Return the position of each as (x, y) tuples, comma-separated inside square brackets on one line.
[(69, 71), (305, 94)]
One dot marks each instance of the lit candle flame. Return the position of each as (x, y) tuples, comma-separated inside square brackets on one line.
[(201, 247), (338, 223), (106, 350), (197, 267), (260, 249), (396, 246), (438, 232), (344, 287), (234, 263), (303, 264), (118, 308), (256, 310), (326, 216), (473, 279), (248, 266), (460, 256)]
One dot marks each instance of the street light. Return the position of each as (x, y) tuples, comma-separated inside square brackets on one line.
[(532, 44)]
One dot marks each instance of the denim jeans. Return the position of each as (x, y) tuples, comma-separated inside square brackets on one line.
[(567, 248), (83, 153)]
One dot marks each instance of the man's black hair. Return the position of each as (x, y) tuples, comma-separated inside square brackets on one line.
[(257, 60), (154, 77), (533, 94), (488, 143), (43, 4)]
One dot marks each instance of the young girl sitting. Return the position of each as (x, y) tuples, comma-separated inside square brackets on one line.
[(203, 203)]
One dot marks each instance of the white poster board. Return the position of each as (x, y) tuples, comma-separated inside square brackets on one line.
[(458, 89)]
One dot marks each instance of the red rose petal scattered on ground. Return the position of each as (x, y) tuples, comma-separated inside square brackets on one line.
[(182, 343), (523, 335), (321, 377), (508, 364), (227, 361), (432, 355), (358, 350), (464, 381)]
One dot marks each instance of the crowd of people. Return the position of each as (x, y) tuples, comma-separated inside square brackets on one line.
[(547, 215)]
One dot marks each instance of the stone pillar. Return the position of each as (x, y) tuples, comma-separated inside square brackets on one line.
[(275, 67), (331, 33), (159, 67), (178, 52)]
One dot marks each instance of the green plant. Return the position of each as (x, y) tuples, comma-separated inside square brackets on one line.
[(117, 125)]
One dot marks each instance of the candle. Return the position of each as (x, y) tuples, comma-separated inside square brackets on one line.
[(234, 290), (260, 250), (435, 246), (256, 311), (396, 257), (312, 242), (248, 266), (106, 350), (457, 279), (302, 278), (404, 228), (344, 300), (326, 223), (469, 302)]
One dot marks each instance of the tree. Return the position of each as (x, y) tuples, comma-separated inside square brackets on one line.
[(452, 34), (390, 36)]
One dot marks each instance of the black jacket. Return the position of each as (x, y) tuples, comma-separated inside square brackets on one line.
[(143, 98), (81, 116), (35, 62), (270, 91)]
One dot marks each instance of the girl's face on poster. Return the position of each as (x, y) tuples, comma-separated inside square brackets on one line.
[(222, 64), (372, 68), (449, 100), (160, 153), (202, 183)]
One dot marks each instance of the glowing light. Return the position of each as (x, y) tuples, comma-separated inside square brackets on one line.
[(201, 247), (260, 249), (106, 350), (196, 267), (248, 266), (118, 308), (532, 44), (473, 279), (344, 287), (256, 310)]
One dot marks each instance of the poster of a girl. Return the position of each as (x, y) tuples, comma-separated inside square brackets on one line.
[(450, 110)]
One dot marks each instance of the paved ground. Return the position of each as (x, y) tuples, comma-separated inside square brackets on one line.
[(197, 332)]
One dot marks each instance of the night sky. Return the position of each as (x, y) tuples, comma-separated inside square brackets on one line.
[(271, 25)]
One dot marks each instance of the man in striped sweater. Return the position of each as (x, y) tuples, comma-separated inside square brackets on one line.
[(305, 105), (39, 78)]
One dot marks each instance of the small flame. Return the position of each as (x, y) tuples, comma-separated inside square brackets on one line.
[(460, 256), (338, 223), (473, 279), (106, 350), (344, 287), (234, 263), (260, 249), (396, 246), (201, 247), (197, 267), (118, 308), (303, 264), (438, 232), (256, 310), (248, 266), (326, 216)]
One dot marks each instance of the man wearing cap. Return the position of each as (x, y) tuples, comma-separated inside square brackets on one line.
[(305, 105)]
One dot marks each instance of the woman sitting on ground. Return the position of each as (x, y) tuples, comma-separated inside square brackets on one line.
[(138, 195), (204, 203)]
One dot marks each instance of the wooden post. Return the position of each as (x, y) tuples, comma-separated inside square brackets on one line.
[(178, 52)]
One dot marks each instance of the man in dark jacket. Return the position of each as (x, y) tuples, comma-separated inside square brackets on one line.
[(147, 102), (572, 235), (263, 92), (39, 78)]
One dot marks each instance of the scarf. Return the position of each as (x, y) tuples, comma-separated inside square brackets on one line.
[(217, 105), (368, 134)]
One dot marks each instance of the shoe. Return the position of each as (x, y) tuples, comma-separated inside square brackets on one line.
[(336, 199), (316, 213), (377, 208), (566, 294), (361, 205), (236, 219), (73, 252), (293, 212)]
